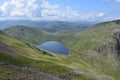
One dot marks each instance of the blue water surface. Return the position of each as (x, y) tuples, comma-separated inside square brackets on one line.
[(55, 47)]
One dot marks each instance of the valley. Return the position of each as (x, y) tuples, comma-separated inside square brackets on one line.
[(16, 53), (59, 40), (94, 52)]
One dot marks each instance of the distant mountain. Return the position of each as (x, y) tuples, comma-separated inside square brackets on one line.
[(50, 26), (55, 26), (96, 49)]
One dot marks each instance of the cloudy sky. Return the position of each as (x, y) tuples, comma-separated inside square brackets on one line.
[(69, 10)]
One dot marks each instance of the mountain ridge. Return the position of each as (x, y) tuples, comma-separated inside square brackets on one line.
[(50, 26)]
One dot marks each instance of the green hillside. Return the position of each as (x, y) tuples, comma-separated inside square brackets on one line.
[(99, 46), (28, 34), (36, 36), (97, 36), (20, 60), (95, 50)]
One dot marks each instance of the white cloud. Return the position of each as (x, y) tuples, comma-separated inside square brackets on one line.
[(43, 10), (106, 0), (49, 11), (117, 1), (45, 4), (116, 4), (100, 14), (92, 16), (18, 8)]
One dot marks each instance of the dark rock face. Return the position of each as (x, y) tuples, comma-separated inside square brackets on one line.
[(113, 47), (100, 49), (117, 22), (117, 39)]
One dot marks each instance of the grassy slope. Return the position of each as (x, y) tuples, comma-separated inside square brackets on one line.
[(82, 45), (95, 37), (33, 57)]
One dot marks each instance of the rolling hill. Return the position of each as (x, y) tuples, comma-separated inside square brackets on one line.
[(95, 49), (28, 34)]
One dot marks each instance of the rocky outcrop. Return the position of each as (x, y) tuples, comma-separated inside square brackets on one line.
[(117, 44), (113, 47), (27, 73)]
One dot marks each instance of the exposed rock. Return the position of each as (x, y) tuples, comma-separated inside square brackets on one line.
[(117, 45), (28, 73), (117, 22), (114, 46)]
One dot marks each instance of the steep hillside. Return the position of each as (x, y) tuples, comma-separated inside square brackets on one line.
[(99, 46), (22, 61), (96, 49), (96, 36)]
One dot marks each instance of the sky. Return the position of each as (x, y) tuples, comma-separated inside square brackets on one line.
[(62, 10)]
